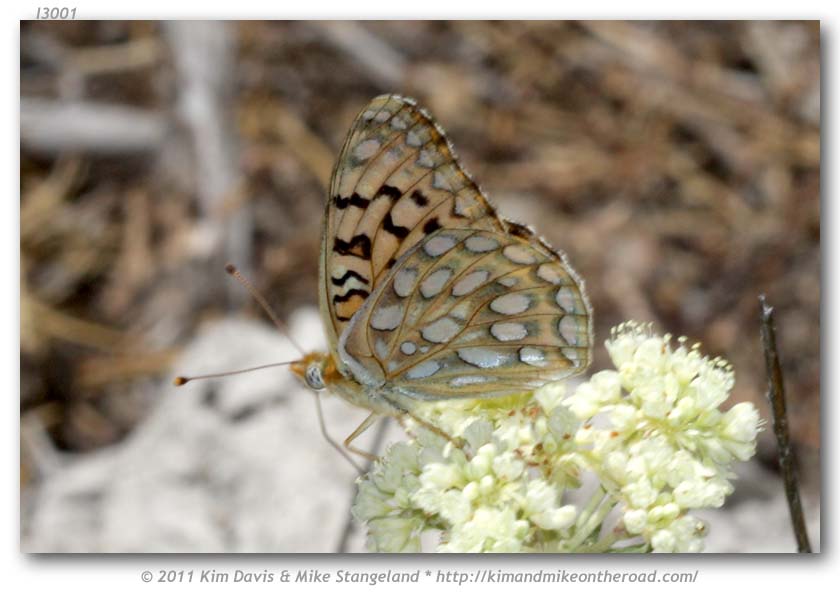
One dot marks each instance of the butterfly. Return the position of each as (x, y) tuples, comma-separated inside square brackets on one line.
[(426, 293)]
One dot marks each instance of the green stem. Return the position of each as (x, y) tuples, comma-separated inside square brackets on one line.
[(594, 520), (601, 545), (591, 506)]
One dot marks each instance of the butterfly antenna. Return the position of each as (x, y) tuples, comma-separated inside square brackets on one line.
[(331, 441), (181, 380), (255, 294)]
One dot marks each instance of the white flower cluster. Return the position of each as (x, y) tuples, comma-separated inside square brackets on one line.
[(650, 434)]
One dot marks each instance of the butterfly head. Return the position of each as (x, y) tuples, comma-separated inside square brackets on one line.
[(316, 370)]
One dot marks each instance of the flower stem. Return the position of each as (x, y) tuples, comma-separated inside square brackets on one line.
[(585, 527), (591, 506)]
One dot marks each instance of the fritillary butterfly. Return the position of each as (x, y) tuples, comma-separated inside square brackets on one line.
[(426, 293)]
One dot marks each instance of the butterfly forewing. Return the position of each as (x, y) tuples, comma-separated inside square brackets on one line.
[(471, 313), (396, 181)]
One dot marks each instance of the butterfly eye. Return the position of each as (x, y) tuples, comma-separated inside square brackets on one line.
[(315, 377)]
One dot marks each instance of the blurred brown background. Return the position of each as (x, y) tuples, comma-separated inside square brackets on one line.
[(676, 163)]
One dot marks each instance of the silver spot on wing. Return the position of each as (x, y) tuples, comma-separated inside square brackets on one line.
[(519, 255), (470, 283), (424, 369), (484, 358), (532, 356), (568, 328), (508, 332), (404, 281), (440, 182), (364, 150), (441, 331), (425, 160), (387, 318), (439, 244), (480, 243), (565, 299), (550, 273), (511, 304), (433, 284), (408, 348)]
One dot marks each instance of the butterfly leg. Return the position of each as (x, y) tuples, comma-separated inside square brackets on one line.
[(458, 443), (370, 420), (404, 411), (331, 441)]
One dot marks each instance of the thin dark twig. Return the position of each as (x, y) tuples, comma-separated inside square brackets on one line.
[(350, 524), (776, 397)]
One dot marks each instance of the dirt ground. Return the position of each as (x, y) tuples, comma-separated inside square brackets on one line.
[(677, 164)]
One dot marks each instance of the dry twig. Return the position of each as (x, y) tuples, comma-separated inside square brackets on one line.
[(776, 397)]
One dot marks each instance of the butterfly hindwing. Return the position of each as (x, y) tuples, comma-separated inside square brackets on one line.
[(471, 313), (396, 181)]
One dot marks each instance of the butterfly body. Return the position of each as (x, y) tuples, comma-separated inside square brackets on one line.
[(426, 293)]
